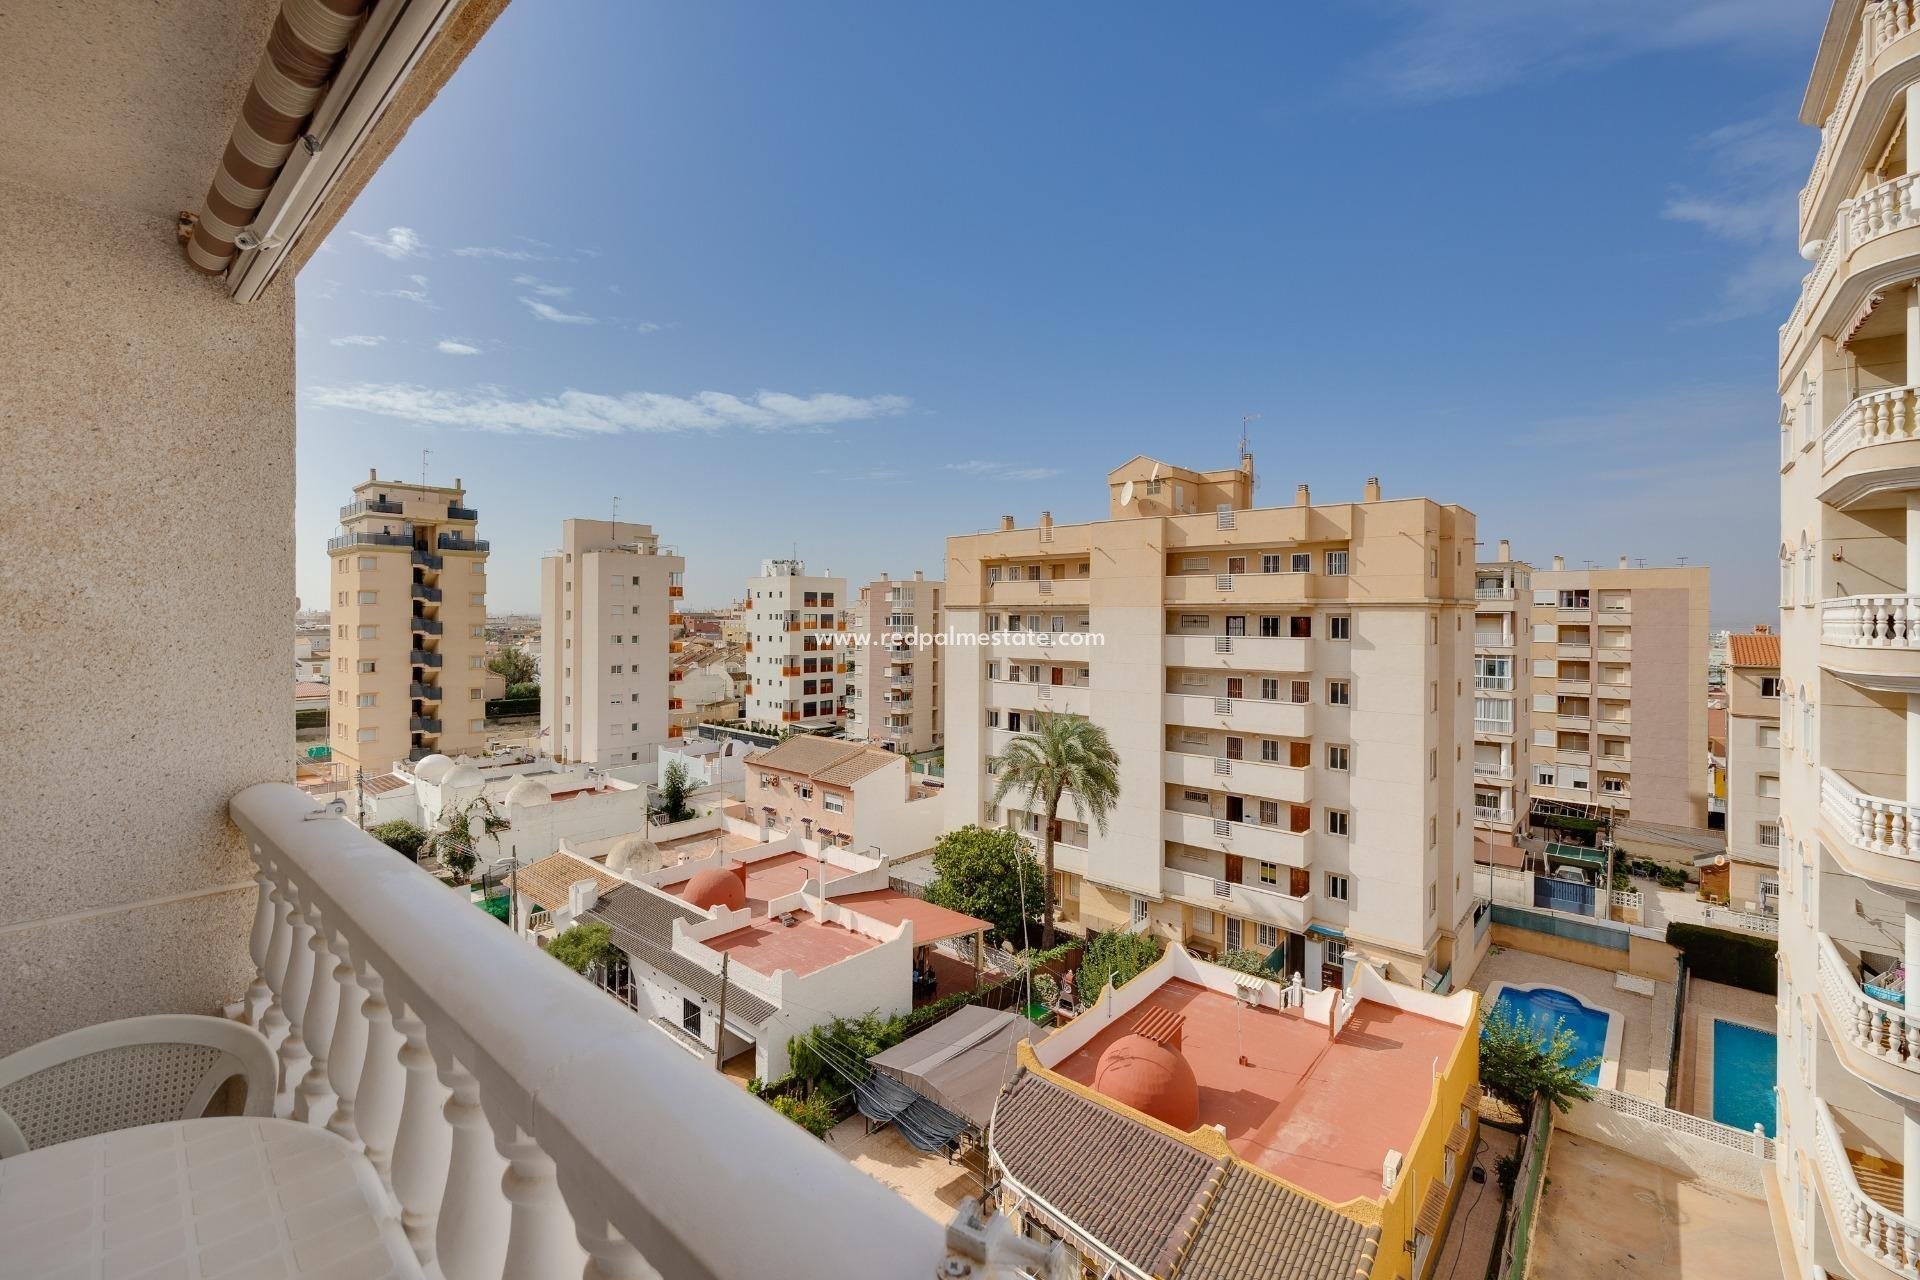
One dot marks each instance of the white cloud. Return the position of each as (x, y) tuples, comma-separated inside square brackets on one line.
[(398, 243), (358, 340), (452, 347), (542, 288), (547, 311), (573, 413), (1753, 169), (493, 251), (1002, 470), (650, 326)]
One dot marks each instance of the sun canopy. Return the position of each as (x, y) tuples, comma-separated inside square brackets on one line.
[(960, 1062)]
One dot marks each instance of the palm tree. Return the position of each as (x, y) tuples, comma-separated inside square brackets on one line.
[(1063, 753), (455, 843)]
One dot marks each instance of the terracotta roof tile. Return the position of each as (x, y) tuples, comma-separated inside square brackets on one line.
[(547, 880), (1754, 649), (641, 922), (1257, 1229), (825, 760)]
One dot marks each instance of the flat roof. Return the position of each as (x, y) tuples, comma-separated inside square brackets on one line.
[(772, 878), (807, 946), (1322, 1116), (702, 844), (931, 923)]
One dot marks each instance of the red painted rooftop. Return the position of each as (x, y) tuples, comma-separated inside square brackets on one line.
[(931, 923), (1320, 1115), (767, 946), (771, 878)]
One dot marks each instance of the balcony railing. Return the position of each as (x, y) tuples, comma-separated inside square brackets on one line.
[(345, 540), (427, 560), (1879, 417), (428, 692), (424, 724), (1877, 825), (508, 1149), (1493, 593), (461, 513), (1882, 1234), (1501, 817), (422, 658), (1890, 207), (454, 542), (421, 591), (1887, 1031), (371, 506), (1871, 622), (428, 626)]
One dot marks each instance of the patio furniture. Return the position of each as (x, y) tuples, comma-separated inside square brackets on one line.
[(117, 1075)]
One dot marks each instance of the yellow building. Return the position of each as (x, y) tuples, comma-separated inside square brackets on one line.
[(409, 605)]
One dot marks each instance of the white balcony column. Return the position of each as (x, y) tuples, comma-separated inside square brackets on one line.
[(541, 1240), (273, 1020), (1910, 1156), (313, 1100), (347, 1050), (422, 1141), (259, 946), (293, 1000), (1912, 793), (609, 1255), (376, 1104), (474, 1217)]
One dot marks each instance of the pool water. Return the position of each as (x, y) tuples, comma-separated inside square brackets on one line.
[(1743, 1070), (1544, 1006)]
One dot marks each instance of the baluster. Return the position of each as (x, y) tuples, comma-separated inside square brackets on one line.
[(540, 1237), (347, 1050), (313, 1100), (422, 1142), (609, 1255), (259, 944), (376, 1105), (273, 1022), (473, 1216), (293, 997), (1863, 1024)]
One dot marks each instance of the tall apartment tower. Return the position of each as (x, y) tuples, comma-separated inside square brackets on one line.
[(794, 625), (1619, 687), (609, 625), (1502, 728), (1849, 373), (1753, 771), (893, 688), (1289, 692), (409, 623)]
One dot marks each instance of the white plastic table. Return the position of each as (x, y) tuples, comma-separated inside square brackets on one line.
[(240, 1198)]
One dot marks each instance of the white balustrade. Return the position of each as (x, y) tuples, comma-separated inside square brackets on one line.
[(1883, 1234), (1887, 1031), (1890, 207), (526, 1126), (1871, 622), (1890, 827)]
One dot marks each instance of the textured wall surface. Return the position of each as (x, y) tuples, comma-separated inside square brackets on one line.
[(146, 555)]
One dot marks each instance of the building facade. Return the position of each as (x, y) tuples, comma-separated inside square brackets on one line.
[(1618, 680), (794, 624), (1502, 737), (610, 624), (1753, 772), (409, 625), (1288, 690), (1849, 1052), (893, 683)]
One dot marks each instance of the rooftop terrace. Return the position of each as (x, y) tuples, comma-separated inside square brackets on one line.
[(768, 880), (806, 946)]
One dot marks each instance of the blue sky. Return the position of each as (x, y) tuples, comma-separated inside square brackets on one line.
[(846, 279)]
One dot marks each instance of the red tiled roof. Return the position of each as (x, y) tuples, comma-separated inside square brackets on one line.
[(1753, 649)]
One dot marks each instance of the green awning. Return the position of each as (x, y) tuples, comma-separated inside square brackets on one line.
[(1577, 855)]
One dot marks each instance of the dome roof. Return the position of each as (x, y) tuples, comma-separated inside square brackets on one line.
[(1151, 1077), (717, 887), (463, 775), (432, 768), (528, 791), (634, 854)]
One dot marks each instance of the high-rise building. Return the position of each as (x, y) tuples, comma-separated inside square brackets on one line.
[(609, 625), (1849, 917), (1502, 728), (409, 621), (1752, 871), (1619, 687), (892, 677), (1288, 690), (794, 625)]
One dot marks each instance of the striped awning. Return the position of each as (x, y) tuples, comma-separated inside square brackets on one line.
[(303, 52)]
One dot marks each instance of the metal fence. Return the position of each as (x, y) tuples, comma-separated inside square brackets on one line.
[(1563, 895)]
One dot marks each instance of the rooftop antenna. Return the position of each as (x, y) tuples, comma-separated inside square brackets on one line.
[(423, 467), (1683, 559), (613, 521)]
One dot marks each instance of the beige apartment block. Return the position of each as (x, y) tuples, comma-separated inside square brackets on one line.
[(1849, 705), (409, 620), (1750, 879), (1502, 729), (610, 624), (1288, 689), (794, 654), (892, 677), (1617, 669)]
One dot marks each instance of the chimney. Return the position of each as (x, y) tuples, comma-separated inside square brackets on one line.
[(1623, 562), (581, 897), (1559, 563), (373, 473), (1301, 498), (919, 575), (1006, 523), (1506, 551), (1761, 629), (1371, 493), (1046, 523)]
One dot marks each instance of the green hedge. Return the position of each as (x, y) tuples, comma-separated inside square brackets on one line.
[(501, 707), (1737, 959), (311, 718)]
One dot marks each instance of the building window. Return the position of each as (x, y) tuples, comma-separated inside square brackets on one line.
[(1770, 686), (366, 700), (1270, 564), (369, 597), (833, 803), (1269, 873), (690, 1017), (1302, 562), (369, 633), (366, 666), (1339, 627), (1336, 822), (1336, 564), (1339, 694), (1270, 751), (1336, 757), (1266, 935), (366, 735), (1769, 835), (1336, 892)]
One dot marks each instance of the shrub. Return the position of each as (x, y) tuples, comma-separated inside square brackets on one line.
[(1116, 957), (401, 836), (1737, 959), (499, 708), (584, 945), (1670, 877), (1249, 961), (812, 1112), (1507, 1170)]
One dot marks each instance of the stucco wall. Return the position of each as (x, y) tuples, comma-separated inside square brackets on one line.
[(1693, 1157), (147, 553)]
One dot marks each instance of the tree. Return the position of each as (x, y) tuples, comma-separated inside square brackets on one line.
[(1065, 754), (1115, 958), (675, 787), (989, 872), (513, 664), (584, 946), (524, 690), (1519, 1061), (454, 843), (401, 836)]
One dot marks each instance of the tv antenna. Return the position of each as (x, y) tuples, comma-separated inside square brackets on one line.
[(423, 467), (613, 521)]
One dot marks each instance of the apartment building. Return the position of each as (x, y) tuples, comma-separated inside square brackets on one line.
[(794, 655), (1750, 877), (409, 625), (610, 625), (1618, 680), (1288, 692), (893, 681), (1502, 737), (1849, 1051)]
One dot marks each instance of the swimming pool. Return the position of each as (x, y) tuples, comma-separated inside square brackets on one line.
[(1743, 1066), (1596, 1030)]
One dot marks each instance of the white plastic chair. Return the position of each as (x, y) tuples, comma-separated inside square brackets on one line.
[(147, 1070)]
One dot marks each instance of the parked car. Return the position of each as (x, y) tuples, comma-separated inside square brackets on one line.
[(1570, 875)]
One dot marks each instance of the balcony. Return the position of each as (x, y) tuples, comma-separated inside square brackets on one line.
[(425, 658), (1238, 653), (421, 591), (1223, 589), (1575, 649), (1028, 695), (1493, 728), (346, 540), (457, 542), (1493, 640), (1877, 837), (1493, 817), (1247, 839), (1492, 770), (371, 506), (1262, 904), (1872, 448), (1043, 593), (426, 560), (427, 626), (1877, 74), (1878, 1039), (424, 724), (1258, 778), (1873, 641), (676, 592), (1870, 242), (1872, 1237), (1492, 593), (425, 692), (1573, 688), (1573, 757), (1573, 724), (1245, 715), (506, 1148), (461, 513)]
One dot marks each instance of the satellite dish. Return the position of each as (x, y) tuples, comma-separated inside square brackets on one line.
[(1126, 494)]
